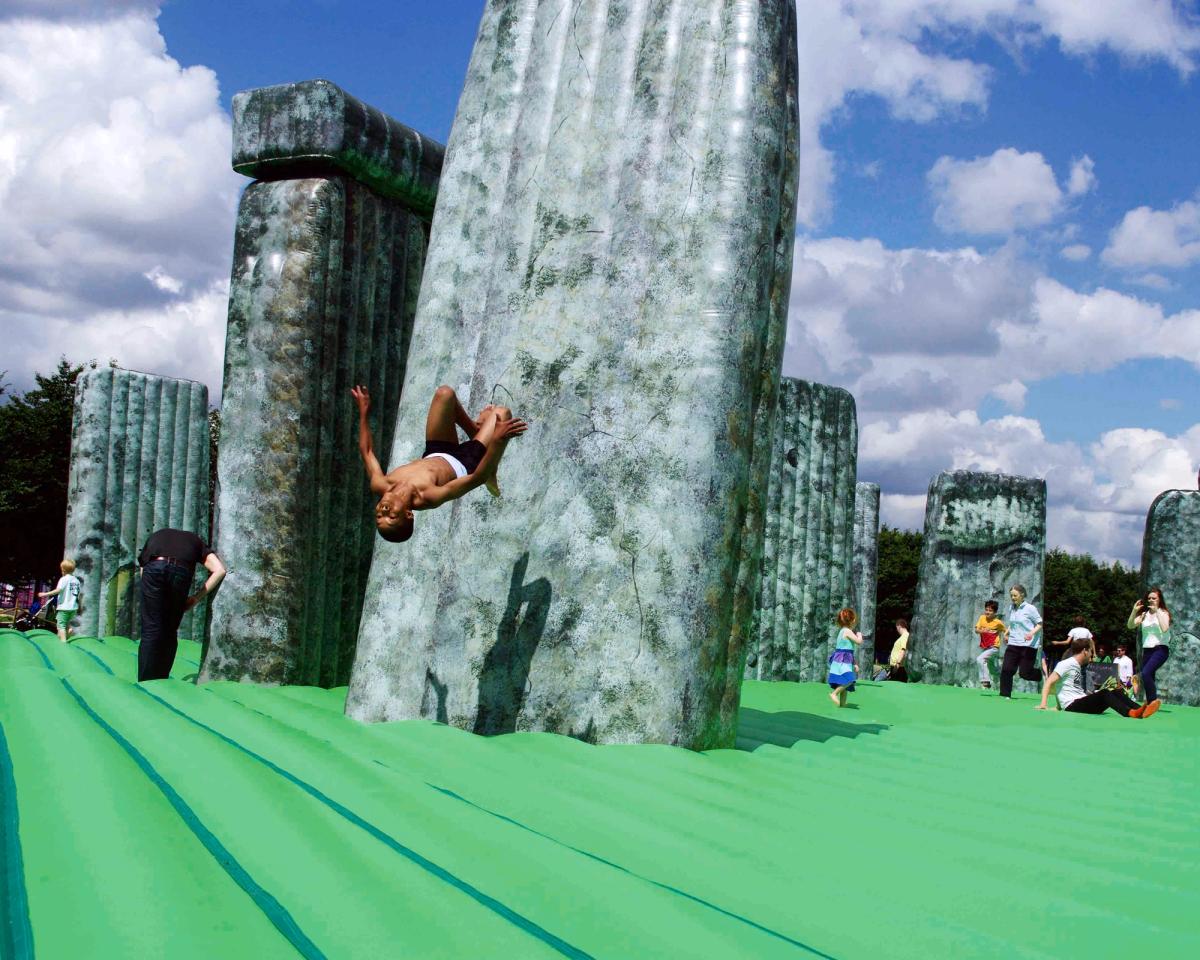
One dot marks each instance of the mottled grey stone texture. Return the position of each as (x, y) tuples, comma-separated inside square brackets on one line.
[(984, 532), (610, 256), (325, 281), (865, 567), (139, 462), (809, 538), (1170, 561), (293, 129)]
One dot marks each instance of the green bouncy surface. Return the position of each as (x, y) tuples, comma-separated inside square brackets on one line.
[(228, 820)]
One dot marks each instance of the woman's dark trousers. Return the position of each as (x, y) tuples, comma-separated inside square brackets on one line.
[(1152, 659), (164, 593), (1102, 700), (1022, 659)]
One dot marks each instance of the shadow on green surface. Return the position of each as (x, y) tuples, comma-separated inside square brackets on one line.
[(788, 727)]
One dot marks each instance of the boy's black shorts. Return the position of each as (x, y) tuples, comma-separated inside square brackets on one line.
[(468, 454)]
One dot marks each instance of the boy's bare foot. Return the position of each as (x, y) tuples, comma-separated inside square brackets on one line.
[(837, 701)]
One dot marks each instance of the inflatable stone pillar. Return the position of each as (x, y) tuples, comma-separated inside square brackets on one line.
[(865, 567), (139, 462), (809, 537), (610, 257), (328, 254), (1170, 559), (984, 532)]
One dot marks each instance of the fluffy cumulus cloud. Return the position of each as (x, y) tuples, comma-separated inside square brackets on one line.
[(1099, 493), (881, 48), (1156, 238), (922, 337), (116, 197), (1003, 192)]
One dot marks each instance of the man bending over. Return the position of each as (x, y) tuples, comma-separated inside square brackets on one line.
[(447, 469), (1072, 697)]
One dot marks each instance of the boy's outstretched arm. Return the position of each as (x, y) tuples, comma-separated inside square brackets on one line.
[(456, 488), (366, 443)]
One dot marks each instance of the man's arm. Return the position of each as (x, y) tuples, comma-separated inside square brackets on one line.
[(463, 485), (366, 443), (216, 573), (1047, 689)]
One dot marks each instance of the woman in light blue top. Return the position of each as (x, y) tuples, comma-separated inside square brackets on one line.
[(841, 661), (1154, 618)]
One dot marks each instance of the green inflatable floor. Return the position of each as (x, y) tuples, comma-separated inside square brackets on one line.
[(170, 820)]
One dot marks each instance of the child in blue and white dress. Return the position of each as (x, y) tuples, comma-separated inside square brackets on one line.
[(841, 661)]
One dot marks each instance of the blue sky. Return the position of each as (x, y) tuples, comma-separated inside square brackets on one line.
[(999, 239)]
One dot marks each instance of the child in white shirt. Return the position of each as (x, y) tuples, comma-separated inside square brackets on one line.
[(67, 591)]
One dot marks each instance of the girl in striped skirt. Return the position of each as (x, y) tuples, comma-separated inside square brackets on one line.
[(841, 661)]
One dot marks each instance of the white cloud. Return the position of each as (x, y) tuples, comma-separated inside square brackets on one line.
[(116, 197), (920, 337), (1077, 252), (1082, 178), (1012, 393), (1156, 238), (881, 48), (1098, 495), (1006, 191), (1154, 281)]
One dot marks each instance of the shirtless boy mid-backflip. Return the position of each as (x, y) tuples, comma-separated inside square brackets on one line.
[(447, 469)]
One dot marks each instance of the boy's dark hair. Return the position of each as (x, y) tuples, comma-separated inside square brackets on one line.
[(1079, 644), (397, 534), (1079, 621), (991, 605), (901, 622)]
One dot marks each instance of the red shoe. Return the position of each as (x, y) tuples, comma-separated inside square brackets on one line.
[(1151, 707), (1136, 713)]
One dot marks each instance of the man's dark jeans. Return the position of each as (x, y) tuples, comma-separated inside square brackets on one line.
[(165, 588), (1018, 658)]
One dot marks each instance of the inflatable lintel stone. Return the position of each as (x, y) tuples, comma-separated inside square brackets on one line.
[(296, 129), (809, 533), (139, 462), (610, 257), (1170, 559), (984, 533)]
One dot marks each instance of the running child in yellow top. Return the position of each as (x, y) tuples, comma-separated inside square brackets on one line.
[(991, 629)]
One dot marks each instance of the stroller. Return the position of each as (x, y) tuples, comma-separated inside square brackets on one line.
[(40, 616)]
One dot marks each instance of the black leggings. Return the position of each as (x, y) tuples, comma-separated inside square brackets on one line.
[(1102, 700), (1023, 659)]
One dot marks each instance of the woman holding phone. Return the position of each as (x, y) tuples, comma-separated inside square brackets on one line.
[(1154, 619)]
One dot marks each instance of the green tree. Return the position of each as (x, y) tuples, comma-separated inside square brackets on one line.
[(35, 443), (1102, 594), (899, 559)]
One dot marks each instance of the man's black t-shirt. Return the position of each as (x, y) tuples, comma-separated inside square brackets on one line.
[(179, 545)]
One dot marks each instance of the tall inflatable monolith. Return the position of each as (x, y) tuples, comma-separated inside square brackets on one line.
[(984, 532), (328, 255), (809, 537), (865, 567), (1170, 559), (610, 257), (139, 462)]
